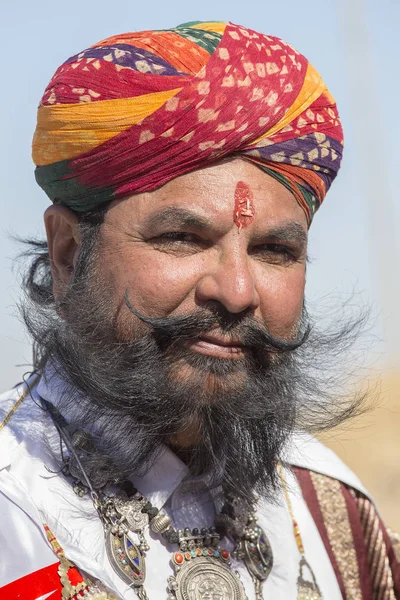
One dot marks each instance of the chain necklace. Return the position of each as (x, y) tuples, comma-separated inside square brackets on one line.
[(307, 587), (201, 566)]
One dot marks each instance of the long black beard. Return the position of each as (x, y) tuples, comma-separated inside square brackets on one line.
[(140, 394), (136, 396)]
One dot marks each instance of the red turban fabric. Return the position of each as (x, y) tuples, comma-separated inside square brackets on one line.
[(136, 110)]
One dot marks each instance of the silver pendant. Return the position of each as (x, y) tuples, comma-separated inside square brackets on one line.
[(204, 573), (125, 558), (131, 510), (257, 551), (307, 589)]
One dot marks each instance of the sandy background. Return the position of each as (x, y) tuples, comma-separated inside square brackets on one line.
[(371, 447)]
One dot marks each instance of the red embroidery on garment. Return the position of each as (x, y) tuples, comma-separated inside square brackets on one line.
[(244, 208), (55, 582), (42, 583)]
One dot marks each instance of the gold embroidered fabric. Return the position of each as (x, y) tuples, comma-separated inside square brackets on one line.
[(395, 539), (378, 561), (336, 520), (83, 589), (19, 402)]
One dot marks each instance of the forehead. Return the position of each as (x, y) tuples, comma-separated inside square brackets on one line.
[(210, 194)]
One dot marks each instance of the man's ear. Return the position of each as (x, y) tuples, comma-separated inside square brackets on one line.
[(63, 239)]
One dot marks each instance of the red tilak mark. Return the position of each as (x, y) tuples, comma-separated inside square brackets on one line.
[(244, 208)]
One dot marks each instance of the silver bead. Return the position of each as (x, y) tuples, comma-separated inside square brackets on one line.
[(160, 523)]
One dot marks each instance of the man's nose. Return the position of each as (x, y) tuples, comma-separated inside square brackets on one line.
[(231, 283)]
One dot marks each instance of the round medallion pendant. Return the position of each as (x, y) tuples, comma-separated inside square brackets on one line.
[(207, 579)]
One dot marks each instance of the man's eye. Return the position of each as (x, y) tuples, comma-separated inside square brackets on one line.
[(177, 236), (277, 253), (179, 242)]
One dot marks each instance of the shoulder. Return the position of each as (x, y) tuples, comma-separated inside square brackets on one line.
[(9, 440), (348, 522), (20, 419), (308, 453), (20, 563)]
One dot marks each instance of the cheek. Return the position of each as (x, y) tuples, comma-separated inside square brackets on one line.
[(281, 299), (157, 283)]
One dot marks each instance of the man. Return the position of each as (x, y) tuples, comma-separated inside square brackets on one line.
[(161, 447)]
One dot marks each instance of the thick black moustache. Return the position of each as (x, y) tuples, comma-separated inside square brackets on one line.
[(245, 328)]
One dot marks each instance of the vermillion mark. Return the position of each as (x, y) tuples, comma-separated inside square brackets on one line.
[(244, 208)]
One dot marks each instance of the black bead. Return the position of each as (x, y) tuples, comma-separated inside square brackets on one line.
[(128, 488), (174, 538), (221, 529), (195, 532), (153, 512), (228, 509), (171, 536), (167, 534), (212, 530), (204, 531), (148, 506)]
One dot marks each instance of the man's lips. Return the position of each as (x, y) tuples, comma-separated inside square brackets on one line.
[(214, 345)]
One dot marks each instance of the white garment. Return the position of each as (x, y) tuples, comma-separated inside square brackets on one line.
[(31, 495)]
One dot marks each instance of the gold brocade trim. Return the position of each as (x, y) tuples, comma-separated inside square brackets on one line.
[(336, 520), (307, 587), (87, 587), (395, 539), (18, 402), (69, 591), (378, 560)]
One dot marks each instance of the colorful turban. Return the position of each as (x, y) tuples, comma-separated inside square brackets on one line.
[(136, 110)]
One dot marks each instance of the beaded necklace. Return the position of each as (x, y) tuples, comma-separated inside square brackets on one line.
[(201, 565)]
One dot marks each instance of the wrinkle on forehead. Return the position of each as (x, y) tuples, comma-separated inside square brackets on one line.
[(211, 193)]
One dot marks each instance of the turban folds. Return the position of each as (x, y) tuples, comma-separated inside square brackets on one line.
[(136, 110)]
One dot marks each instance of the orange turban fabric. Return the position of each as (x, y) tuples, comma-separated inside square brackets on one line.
[(139, 109)]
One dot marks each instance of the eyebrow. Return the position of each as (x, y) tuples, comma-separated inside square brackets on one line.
[(173, 216), (288, 232)]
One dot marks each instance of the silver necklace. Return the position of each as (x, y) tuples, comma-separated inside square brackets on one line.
[(201, 567)]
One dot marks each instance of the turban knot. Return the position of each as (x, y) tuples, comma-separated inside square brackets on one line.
[(136, 110)]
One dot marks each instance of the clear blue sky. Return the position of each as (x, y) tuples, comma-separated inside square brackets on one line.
[(37, 36)]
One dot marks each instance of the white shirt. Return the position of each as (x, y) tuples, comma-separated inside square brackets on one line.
[(33, 493)]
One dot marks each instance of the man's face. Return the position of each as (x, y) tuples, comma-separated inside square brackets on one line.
[(179, 249), (202, 281)]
